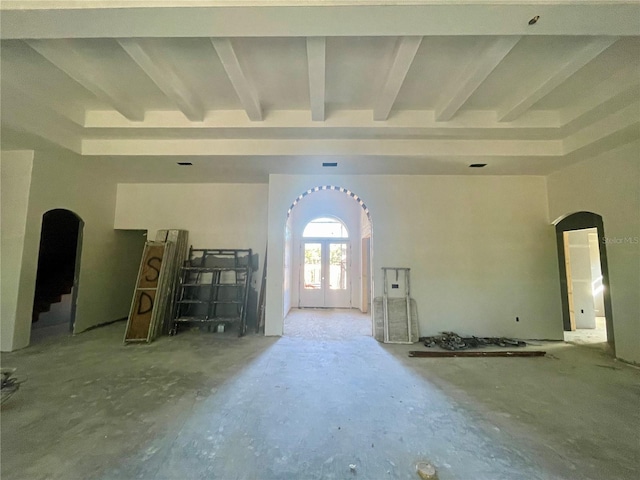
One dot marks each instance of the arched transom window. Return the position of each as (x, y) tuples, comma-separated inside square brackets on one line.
[(325, 227)]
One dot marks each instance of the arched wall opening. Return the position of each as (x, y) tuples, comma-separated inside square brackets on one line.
[(329, 202), (584, 273), (56, 290)]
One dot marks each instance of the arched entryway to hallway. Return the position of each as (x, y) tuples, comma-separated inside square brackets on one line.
[(584, 279), (327, 264), (54, 305)]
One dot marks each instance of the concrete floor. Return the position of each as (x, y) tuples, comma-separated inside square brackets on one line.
[(583, 336), (206, 405), (326, 324)]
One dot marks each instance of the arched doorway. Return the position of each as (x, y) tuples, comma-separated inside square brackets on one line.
[(54, 305), (584, 276), (327, 260)]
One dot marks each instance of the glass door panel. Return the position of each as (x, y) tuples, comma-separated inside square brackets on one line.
[(311, 278), (338, 266), (337, 293), (312, 266)]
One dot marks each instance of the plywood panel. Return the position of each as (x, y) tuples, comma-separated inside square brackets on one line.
[(141, 315), (151, 265), (144, 300)]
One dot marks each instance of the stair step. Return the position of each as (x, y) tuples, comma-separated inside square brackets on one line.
[(43, 308)]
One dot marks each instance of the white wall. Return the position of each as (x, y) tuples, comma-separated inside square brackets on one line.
[(109, 260), (330, 203), (609, 185), (15, 182), (481, 248), (216, 215)]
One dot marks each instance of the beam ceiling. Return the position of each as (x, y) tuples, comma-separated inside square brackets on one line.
[(433, 81)]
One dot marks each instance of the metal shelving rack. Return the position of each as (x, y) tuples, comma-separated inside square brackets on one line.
[(214, 288)]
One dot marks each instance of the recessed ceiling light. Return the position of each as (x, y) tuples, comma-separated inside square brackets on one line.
[(329, 164), (477, 165), (185, 164), (534, 20)]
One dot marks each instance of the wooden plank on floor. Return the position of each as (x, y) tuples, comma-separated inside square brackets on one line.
[(466, 353)]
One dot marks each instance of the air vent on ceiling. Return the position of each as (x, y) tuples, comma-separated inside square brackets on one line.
[(477, 165), (329, 164), (185, 164)]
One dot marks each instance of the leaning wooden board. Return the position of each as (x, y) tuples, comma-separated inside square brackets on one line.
[(177, 242), (143, 305), (467, 353)]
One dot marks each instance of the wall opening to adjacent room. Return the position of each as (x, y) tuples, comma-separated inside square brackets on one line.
[(586, 300), (327, 287), (54, 305)]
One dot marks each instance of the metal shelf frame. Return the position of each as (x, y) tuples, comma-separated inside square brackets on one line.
[(214, 288)]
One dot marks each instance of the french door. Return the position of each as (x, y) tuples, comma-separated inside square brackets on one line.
[(325, 277)]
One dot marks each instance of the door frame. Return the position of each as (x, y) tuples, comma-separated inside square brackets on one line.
[(567, 263), (583, 221), (76, 277)]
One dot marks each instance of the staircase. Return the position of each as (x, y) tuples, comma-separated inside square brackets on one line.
[(49, 291)]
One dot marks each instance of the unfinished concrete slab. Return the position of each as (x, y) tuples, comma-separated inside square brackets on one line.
[(583, 336), (204, 405), (327, 323)]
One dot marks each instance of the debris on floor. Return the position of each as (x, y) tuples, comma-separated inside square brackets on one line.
[(453, 341), (426, 471), (9, 384), (500, 353)]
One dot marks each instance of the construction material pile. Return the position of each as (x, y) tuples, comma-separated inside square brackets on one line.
[(453, 341)]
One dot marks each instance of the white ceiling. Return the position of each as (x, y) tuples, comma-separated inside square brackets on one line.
[(246, 88)]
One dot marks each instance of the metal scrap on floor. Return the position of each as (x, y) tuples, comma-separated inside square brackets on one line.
[(453, 341)]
